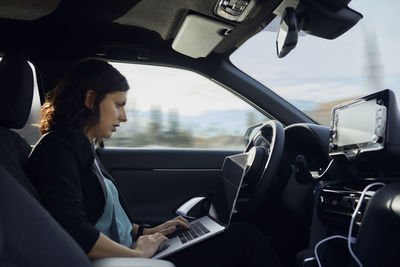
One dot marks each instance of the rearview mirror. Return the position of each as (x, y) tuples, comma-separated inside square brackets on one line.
[(287, 36)]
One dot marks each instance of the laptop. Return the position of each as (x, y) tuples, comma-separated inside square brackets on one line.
[(220, 212)]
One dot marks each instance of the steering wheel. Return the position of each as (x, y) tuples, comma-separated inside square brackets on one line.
[(264, 154)]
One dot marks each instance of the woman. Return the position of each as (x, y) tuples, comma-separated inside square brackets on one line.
[(87, 105)]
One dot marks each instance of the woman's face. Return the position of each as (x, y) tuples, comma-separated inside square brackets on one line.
[(112, 113)]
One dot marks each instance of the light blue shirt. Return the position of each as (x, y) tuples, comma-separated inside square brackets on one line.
[(123, 223)]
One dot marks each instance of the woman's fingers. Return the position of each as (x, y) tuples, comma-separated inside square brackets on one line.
[(180, 218), (180, 221), (170, 226), (163, 238), (167, 230), (148, 244), (159, 238)]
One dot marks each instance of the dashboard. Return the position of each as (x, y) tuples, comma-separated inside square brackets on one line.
[(354, 174), (306, 146)]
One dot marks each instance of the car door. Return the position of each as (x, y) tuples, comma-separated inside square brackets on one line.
[(180, 128)]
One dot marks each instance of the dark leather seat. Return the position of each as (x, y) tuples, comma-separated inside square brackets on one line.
[(16, 89), (29, 236)]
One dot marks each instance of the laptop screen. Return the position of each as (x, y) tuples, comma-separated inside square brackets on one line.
[(224, 200)]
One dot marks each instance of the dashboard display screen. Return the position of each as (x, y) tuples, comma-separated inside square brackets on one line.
[(358, 126)]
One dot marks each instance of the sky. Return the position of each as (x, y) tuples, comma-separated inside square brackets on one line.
[(172, 89), (321, 70)]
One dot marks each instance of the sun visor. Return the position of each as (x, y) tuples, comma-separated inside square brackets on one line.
[(198, 36)]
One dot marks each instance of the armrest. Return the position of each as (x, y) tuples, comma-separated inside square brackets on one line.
[(131, 262), (194, 208)]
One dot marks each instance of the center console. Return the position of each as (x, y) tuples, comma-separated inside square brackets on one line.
[(376, 228), (336, 205)]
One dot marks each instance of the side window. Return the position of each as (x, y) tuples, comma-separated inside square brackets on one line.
[(31, 131), (170, 107)]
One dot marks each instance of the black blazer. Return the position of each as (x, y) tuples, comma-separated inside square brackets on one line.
[(61, 169)]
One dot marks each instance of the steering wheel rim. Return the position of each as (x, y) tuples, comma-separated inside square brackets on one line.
[(272, 134)]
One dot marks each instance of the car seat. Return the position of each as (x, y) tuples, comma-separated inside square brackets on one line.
[(16, 89), (29, 236)]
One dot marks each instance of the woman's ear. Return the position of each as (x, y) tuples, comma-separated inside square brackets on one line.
[(89, 99)]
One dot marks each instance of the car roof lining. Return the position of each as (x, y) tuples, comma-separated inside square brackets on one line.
[(169, 14), (27, 9), (129, 18)]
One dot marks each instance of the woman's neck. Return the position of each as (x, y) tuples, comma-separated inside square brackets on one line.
[(89, 134)]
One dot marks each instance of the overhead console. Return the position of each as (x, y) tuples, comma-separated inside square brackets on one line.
[(234, 10)]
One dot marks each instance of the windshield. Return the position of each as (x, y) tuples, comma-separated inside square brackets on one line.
[(319, 73)]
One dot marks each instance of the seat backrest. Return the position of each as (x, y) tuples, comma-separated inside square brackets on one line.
[(29, 236), (16, 89)]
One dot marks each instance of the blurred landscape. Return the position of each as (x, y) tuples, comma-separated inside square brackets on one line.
[(155, 129), (210, 130)]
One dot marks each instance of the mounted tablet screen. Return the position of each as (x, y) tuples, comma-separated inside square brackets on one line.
[(357, 127)]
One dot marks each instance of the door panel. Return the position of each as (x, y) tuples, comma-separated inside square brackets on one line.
[(155, 182)]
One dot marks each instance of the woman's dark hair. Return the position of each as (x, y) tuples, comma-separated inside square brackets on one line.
[(65, 105)]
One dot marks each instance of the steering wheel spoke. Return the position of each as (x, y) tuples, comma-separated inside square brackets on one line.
[(264, 156)]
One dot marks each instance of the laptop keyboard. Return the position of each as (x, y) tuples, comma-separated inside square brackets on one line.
[(196, 229)]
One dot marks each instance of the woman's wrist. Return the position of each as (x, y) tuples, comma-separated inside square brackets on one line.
[(148, 231), (140, 229), (137, 253)]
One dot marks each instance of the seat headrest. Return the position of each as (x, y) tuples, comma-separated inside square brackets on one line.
[(16, 89)]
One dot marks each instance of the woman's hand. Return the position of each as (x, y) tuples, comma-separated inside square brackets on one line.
[(168, 227), (147, 245)]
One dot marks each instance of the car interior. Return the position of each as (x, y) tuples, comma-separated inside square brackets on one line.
[(304, 184)]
